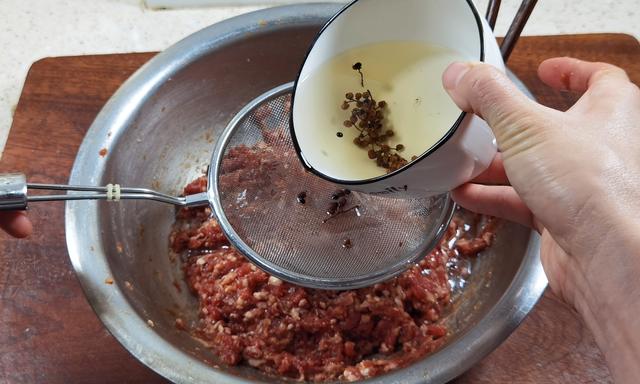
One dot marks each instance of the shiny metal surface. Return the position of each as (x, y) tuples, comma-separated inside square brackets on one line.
[(306, 248), (13, 192), (160, 129)]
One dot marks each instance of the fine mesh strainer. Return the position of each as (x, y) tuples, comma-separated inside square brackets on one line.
[(278, 214), (287, 221)]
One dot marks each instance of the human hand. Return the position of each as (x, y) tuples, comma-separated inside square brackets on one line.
[(575, 177), (16, 223)]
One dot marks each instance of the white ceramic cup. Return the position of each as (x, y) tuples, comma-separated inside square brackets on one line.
[(468, 147)]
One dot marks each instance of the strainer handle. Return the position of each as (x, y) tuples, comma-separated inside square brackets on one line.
[(14, 187)]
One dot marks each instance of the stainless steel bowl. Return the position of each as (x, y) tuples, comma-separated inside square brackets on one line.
[(159, 129)]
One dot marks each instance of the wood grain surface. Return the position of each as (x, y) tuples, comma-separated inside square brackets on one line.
[(48, 331)]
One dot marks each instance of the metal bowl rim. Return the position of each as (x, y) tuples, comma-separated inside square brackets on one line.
[(135, 334)]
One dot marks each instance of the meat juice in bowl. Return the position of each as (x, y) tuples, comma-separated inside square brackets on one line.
[(414, 142)]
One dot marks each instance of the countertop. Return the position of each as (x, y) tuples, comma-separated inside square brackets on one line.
[(50, 334), (31, 30)]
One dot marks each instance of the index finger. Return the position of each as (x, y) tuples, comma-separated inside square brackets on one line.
[(16, 223), (495, 174), (569, 74)]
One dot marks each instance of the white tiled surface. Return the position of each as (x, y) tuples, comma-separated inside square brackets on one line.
[(33, 29)]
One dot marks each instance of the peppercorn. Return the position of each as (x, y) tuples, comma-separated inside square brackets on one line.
[(302, 197), (368, 118), (333, 209)]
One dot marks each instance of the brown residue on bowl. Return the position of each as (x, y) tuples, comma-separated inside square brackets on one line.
[(180, 325), (103, 152), (177, 286)]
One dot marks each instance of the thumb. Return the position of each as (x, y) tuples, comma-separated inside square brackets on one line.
[(482, 89)]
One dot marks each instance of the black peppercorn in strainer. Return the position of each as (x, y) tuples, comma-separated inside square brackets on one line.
[(302, 228)]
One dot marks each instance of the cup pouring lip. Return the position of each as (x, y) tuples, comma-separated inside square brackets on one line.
[(362, 182)]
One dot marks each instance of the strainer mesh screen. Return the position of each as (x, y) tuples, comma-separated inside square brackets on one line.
[(260, 185)]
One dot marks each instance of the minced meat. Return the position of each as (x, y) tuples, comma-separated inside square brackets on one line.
[(248, 317)]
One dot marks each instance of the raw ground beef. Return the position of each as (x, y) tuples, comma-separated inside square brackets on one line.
[(248, 317)]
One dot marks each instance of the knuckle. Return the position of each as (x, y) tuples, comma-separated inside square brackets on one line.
[(492, 93), (629, 92), (613, 95), (484, 81), (633, 90), (606, 67), (606, 70)]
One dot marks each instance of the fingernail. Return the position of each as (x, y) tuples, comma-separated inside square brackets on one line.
[(453, 74)]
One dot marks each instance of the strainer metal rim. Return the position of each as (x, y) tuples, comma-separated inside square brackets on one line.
[(296, 278)]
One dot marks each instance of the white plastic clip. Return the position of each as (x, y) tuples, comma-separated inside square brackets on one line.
[(109, 192), (113, 192), (116, 192)]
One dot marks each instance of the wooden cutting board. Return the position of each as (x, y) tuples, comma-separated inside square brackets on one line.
[(48, 331)]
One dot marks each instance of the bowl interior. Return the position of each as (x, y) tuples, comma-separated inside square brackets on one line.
[(168, 141), (453, 25), (448, 23)]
